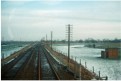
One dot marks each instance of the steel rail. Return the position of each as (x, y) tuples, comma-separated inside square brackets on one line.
[(51, 63)]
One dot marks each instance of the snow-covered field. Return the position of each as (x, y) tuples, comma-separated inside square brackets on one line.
[(107, 67), (10, 49)]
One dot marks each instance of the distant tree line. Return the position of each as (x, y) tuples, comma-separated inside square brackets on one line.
[(90, 40), (15, 42)]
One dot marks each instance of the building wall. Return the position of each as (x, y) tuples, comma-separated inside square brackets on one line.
[(112, 53)]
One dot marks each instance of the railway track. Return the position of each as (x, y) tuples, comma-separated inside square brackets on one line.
[(45, 66), (9, 65), (35, 64), (60, 71), (10, 70)]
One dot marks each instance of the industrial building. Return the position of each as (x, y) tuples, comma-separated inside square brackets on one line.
[(111, 53)]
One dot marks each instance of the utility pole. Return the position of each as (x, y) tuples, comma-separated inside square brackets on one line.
[(51, 38), (46, 38), (69, 34)]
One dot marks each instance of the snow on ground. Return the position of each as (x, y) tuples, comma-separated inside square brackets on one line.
[(92, 56), (7, 50)]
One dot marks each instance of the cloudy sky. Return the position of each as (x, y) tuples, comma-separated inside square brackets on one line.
[(32, 20)]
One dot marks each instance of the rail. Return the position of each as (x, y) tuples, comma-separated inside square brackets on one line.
[(10, 70), (46, 66)]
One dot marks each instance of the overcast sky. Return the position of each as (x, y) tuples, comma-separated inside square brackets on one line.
[(32, 20)]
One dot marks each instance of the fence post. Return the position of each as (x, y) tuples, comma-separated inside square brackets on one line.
[(80, 62), (99, 75), (85, 64), (80, 70), (93, 69), (75, 68)]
